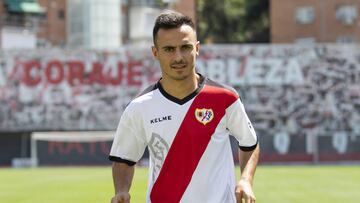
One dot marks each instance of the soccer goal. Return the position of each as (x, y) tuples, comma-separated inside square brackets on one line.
[(70, 148)]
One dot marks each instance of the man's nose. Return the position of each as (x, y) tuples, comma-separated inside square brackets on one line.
[(178, 55)]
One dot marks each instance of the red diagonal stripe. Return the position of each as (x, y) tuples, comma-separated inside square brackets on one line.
[(189, 145)]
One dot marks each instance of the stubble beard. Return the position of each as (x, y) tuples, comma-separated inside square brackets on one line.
[(180, 75)]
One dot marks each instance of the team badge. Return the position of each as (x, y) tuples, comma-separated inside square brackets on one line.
[(204, 116)]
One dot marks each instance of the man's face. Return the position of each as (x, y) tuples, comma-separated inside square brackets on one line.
[(176, 50)]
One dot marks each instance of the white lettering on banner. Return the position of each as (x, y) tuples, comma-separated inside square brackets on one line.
[(236, 72), (294, 75), (273, 72), (256, 71), (340, 142), (281, 142), (252, 71), (216, 70)]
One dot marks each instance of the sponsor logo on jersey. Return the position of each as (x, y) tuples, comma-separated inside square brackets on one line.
[(160, 119), (204, 116)]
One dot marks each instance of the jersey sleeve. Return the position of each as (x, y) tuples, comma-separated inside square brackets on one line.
[(240, 126), (129, 140)]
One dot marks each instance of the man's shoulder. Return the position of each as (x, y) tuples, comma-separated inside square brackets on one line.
[(147, 90), (224, 87), (144, 96)]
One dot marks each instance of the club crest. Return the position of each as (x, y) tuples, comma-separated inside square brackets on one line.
[(204, 116)]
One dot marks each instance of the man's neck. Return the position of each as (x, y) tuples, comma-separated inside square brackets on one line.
[(180, 88)]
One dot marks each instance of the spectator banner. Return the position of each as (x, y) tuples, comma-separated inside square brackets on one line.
[(291, 93)]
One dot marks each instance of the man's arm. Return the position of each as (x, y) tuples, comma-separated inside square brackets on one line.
[(248, 162), (122, 176)]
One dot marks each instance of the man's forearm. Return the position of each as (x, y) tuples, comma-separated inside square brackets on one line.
[(248, 162), (122, 176)]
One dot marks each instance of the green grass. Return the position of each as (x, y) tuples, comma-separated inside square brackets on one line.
[(273, 184)]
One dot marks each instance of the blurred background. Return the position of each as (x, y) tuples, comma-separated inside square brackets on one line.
[(69, 67)]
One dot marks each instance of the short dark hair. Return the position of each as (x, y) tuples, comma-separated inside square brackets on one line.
[(170, 20)]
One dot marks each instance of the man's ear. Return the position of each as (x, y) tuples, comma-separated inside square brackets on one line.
[(154, 52), (197, 47)]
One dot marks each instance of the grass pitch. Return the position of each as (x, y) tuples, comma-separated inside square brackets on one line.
[(273, 184)]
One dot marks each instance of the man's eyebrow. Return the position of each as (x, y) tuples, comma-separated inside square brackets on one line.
[(187, 44), (167, 46)]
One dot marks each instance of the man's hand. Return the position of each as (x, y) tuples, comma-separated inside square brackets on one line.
[(123, 197), (244, 191)]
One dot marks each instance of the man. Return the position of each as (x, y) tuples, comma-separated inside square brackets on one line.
[(185, 120)]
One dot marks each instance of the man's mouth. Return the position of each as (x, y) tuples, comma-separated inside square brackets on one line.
[(178, 66)]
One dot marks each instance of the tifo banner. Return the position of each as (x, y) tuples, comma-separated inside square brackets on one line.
[(70, 90), (291, 93)]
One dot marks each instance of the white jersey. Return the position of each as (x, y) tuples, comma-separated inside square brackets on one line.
[(188, 140)]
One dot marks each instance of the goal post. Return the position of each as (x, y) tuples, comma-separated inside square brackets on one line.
[(69, 146)]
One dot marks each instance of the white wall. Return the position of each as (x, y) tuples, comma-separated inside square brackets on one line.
[(17, 38), (105, 25), (141, 23), (94, 24)]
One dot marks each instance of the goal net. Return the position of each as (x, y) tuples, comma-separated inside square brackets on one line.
[(71, 148)]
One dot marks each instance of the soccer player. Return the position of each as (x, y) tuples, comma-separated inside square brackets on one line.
[(185, 120)]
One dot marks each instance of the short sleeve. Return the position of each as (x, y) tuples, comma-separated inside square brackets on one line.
[(129, 140), (240, 126)]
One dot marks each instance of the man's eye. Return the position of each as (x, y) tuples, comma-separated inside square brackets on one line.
[(187, 47), (169, 49)]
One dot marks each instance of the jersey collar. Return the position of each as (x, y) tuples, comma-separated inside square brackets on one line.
[(185, 99)]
